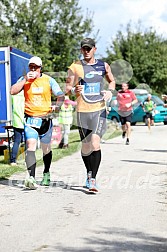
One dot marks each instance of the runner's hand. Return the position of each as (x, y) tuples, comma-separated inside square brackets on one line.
[(114, 103), (128, 105), (78, 88), (107, 95), (31, 75)]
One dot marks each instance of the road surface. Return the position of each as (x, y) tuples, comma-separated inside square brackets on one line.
[(128, 214)]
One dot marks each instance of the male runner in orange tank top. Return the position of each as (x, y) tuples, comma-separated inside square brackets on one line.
[(38, 88)]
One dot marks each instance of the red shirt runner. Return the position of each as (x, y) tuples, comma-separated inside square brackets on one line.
[(124, 97)]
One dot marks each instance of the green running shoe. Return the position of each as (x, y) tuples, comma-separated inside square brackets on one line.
[(31, 183), (46, 179)]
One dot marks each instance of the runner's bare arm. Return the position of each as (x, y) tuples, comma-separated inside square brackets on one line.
[(16, 88), (109, 77), (59, 102), (107, 94), (134, 101), (71, 83)]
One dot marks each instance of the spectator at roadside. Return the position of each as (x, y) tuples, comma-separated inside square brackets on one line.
[(18, 124), (65, 119)]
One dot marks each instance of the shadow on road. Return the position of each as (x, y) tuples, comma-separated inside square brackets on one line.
[(144, 162), (153, 150), (53, 184), (117, 240)]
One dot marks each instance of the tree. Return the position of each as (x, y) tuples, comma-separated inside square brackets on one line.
[(50, 29), (146, 52)]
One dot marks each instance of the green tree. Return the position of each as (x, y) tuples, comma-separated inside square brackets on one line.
[(50, 29), (146, 52)]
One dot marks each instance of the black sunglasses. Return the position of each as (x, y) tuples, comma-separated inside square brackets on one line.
[(85, 48)]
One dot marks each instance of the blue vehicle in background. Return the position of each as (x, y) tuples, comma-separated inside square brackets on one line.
[(160, 113)]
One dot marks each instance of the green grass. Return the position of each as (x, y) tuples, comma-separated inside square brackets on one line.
[(75, 145), (7, 170)]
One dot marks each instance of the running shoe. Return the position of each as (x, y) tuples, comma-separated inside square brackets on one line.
[(46, 179), (60, 145), (87, 183), (13, 164), (127, 141), (89, 176), (123, 134), (93, 187), (31, 183), (65, 146)]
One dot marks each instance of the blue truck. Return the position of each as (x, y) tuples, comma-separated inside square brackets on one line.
[(13, 64)]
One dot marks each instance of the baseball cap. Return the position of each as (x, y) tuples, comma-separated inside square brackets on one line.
[(35, 60), (88, 42)]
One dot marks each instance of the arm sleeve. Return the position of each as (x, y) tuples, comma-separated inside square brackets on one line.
[(55, 87)]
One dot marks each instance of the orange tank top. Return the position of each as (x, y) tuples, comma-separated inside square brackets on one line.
[(38, 96)]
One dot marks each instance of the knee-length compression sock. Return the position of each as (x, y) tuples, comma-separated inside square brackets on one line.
[(47, 159), (95, 160), (30, 160)]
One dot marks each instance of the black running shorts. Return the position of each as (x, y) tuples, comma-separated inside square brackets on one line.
[(149, 115), (124, 119), (91, 123)]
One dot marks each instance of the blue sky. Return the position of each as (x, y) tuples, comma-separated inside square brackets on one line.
[(111, 15)]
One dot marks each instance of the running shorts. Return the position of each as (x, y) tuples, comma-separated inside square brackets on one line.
[(91, 123)]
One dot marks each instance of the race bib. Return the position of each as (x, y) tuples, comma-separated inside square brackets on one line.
[(34, 122), (91, 88), (37, 90)]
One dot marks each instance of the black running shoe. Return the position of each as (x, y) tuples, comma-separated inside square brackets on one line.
[(127, 141), (123, 134)]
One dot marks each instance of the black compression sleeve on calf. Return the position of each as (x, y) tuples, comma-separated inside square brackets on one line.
[(31, 162), (47, 159), (95, 162), (87, 162)]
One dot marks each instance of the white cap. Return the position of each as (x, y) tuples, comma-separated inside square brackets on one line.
[(149, 95), (35, 60)]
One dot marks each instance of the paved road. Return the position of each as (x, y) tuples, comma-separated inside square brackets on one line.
[(128, 214)]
